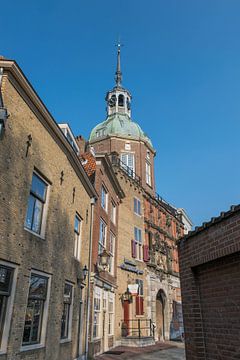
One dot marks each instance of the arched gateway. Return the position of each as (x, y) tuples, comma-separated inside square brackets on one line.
[(160, 315)]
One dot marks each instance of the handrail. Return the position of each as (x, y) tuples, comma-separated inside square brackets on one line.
[(137, 328)]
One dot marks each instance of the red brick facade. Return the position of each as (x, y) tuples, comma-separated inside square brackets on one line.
[(210, 268)]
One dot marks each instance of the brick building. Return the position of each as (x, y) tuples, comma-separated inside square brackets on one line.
[(148, 301), (210, 268), (105, 239), (45, 198)]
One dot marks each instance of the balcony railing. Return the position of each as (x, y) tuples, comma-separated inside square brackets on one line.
[(138, 328), (126, 169)]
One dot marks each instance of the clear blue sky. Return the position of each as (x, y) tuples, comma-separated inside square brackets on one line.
[(181, 61)]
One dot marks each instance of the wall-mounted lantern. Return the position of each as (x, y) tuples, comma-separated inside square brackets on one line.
[(85, 272), (104, 259), (127, 296)]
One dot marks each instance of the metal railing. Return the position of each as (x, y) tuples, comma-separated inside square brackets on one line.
[(126, 169), (138, 328)]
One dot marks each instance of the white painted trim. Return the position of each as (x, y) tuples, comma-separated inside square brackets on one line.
[(45, 314), (69, 338), (7, 322)]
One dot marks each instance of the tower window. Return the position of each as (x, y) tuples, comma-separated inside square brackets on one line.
[(120, 100)]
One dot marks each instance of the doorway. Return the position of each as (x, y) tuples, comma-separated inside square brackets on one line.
[(160, 317)]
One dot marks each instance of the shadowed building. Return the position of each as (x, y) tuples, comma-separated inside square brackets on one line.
[(210, 267), (45, 209)]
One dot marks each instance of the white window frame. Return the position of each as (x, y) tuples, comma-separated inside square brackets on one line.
[(148, 173), (45, 207), (138, 206), (69, 338), (112, 253), (138, 243), (77, 239), (104, 195), (111, 299), (113, 212), (128, 166), (98, 296), (102, 244), (42, 342), (9, 308)]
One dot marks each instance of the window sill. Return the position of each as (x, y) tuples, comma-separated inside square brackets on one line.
[(96, 339), (35, 234), (32, 347), (65, 341)]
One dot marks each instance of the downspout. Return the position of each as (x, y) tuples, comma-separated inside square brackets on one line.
[(93, 201)]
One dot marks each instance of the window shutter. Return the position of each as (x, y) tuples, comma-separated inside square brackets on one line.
[(133, 249), (141, 306), (145, 253)]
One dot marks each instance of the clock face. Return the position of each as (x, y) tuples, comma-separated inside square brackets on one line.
[(112, 101)]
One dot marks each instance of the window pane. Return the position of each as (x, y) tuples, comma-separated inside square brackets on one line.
[(38, 287), (38, 187), (5, 280), (37, 216), (3, 306), (30, 209), (68, 293), (77, 224)]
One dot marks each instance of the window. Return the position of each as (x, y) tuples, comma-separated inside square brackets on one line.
[(36, 310), (104, 197), (137, 206), (113, 213), (110, 314), (139, 298), (137, 244), (102, 236), (36, 204), (6, 292), (120, 100), (148, 173), (101, 132), (67, 312), (77, 237), (112, 253), (128, 163), (97, 312)]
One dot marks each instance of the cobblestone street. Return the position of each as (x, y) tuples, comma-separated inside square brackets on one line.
[(163, 350)]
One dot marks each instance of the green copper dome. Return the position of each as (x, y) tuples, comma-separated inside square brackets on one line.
[(119, 125)]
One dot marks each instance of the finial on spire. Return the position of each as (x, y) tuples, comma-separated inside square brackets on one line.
[(118, 77)]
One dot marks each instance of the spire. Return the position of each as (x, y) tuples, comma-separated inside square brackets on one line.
[(118, 77)]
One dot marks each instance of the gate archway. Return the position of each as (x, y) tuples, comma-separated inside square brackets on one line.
[(160, 315)]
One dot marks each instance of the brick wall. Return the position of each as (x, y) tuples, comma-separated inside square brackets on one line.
[(209, 269)]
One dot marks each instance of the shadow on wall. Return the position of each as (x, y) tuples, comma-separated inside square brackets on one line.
[(54, 253), (176, 324)]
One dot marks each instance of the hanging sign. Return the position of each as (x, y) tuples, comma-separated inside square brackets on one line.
[(133, 289)]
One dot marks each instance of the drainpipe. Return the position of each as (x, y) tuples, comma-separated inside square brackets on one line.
[(93, 202)]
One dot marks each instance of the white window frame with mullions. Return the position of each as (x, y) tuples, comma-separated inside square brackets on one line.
[(8, 275), (137, 206), (43, 300), (35, 221), (112, 245), (104, 198), (113, 212), (148, 173), (138, 243), (102, 236), (128, 163), (77, 236), (67, 313)]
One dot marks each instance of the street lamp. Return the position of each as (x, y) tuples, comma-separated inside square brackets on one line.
[(85, 272)]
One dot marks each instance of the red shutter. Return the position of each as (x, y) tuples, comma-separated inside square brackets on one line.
[(133, 249), (145, 253), (138, 305), (141, 306)]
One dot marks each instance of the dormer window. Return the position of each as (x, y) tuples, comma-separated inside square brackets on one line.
[(120, 100), (69, 135), (112, 101), (101, 132)]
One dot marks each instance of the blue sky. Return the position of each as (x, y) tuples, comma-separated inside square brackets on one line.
[(180, 60)]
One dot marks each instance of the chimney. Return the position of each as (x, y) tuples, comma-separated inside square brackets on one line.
[(81, 142)]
